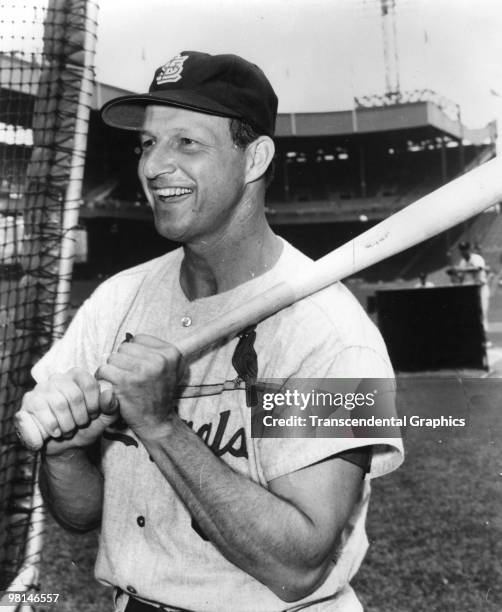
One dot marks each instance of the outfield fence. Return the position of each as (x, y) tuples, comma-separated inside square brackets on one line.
[(46, 86)]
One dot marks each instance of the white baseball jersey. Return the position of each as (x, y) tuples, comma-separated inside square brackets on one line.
[(149, 544), (475, 261)]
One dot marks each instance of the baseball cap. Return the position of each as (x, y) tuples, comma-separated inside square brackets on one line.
[(225, 85), (464, 246)]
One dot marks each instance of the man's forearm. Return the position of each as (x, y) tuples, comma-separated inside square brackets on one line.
[(72, 487), (266, 536)]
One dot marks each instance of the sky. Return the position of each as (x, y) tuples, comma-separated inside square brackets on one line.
[(318, 54)]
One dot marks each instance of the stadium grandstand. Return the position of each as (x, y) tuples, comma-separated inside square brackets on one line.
[(336, 173)]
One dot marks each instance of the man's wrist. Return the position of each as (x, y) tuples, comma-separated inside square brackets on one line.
[(157, 432)]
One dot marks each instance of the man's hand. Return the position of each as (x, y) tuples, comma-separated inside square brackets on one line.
[(145, 373), (70, 408)]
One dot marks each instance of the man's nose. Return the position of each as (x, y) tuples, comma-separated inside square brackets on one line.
[(157, 161)]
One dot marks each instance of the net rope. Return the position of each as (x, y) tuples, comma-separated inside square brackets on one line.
[(44, 70)]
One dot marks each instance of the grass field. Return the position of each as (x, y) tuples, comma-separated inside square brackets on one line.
[(435, 525)]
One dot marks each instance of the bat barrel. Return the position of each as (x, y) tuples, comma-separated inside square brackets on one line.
[(462, 198)]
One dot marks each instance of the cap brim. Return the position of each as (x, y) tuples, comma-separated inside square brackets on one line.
[(128, 112)]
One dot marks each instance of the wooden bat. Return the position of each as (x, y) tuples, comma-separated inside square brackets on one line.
[(442, 209)]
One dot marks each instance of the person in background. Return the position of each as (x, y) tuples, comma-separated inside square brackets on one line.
[(422, 281), (472, 269)]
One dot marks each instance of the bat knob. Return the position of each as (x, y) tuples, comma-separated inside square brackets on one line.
[(28, 431)]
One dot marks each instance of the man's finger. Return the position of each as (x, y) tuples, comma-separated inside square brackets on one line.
[(37, 405), (108, 402), (123, 361), (133, 349), (151, 341), (74, 397), (90, 389), (59, 406), (111, 374)]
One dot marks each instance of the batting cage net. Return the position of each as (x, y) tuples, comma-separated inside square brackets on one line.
[(46, 86)]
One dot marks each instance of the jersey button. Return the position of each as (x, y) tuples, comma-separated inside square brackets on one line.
[(141, 521), (131, 589), (186, 321)]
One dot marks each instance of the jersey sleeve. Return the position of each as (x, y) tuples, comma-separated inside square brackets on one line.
[(79, 347), (367, 358), (93, 332)]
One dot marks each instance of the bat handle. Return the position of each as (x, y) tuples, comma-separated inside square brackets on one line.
[(31, 433)]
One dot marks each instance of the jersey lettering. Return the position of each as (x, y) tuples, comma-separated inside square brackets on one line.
[(236, 445)]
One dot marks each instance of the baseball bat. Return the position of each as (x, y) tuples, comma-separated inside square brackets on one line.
[(438, 211)]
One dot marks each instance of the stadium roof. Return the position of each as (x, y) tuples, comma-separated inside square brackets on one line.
[(379, 119), (356, 121), (419, 114)]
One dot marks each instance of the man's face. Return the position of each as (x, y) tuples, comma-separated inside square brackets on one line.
[(192, 173)]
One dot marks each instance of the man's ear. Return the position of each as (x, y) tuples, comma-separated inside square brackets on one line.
[(259, 155)]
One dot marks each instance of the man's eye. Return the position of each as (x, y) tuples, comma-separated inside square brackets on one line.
[(187, 142), (146, 143)]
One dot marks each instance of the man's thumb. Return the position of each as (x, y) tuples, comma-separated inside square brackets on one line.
[(108, 402)]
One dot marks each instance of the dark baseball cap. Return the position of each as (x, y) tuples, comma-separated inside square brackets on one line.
[(464, 246), (224, 85)]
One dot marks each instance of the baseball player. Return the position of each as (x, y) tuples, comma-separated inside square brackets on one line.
[(472, 269), (195, 513)]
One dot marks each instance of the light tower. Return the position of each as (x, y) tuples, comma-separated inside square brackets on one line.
[(391, 58)]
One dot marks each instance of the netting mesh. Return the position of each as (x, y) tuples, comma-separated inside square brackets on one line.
[(46, 52)]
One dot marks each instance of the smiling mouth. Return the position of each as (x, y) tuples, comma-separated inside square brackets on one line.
[(172, 192)]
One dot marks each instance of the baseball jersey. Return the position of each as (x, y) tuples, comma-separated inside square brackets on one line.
[(475, 261), (150, 546)]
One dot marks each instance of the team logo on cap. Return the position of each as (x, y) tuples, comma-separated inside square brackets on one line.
[(171, 72)]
